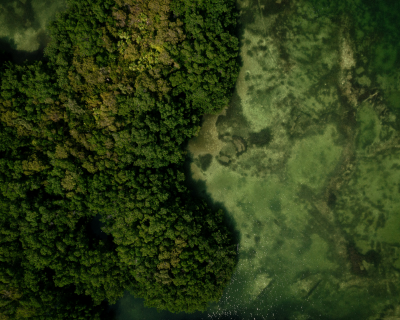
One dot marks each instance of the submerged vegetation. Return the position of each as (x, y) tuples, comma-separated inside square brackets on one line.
[(97, 131)]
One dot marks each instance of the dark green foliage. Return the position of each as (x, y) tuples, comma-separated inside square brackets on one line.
[(99, 131), (208, 58)]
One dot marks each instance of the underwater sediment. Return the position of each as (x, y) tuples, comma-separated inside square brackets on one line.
[(308, 163)]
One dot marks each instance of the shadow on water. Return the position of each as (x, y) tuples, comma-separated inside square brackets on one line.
[(5, 52), (233, 115), (19, 14), (23, 24), (95, 228), (8, 51), (198, 190), (95, 234)]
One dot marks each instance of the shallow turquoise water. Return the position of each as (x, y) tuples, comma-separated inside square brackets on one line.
[(305, 160)]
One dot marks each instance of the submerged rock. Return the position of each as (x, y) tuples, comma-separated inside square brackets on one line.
[(224, 159), (240, 144)]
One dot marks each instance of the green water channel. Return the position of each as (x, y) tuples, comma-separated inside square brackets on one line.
[(305, 160)]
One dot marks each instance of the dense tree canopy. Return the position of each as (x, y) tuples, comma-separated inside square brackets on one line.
[(97, 131)]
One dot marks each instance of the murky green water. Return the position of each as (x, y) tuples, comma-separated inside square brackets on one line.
[(23, 27), (305, 160)]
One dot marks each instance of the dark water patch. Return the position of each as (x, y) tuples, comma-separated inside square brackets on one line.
[(5, 55), (384, 17), (94, 232), (299, 123), (392, 100), (262, 96), (248, 14), (248, 254), (261, 138), (355, 259), (275, 205), (133, 308), (380, 223), (198, 189), (393, 289), (20, 56), (250, 53), (278, 243), (373, 257), (325, 82), (18, 14), (233, 119), (205, 161), (305, 240), (367, 134), (328, 8), (251, 89), (273, 7), (331, 200), (258, 226), (26, 19)]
